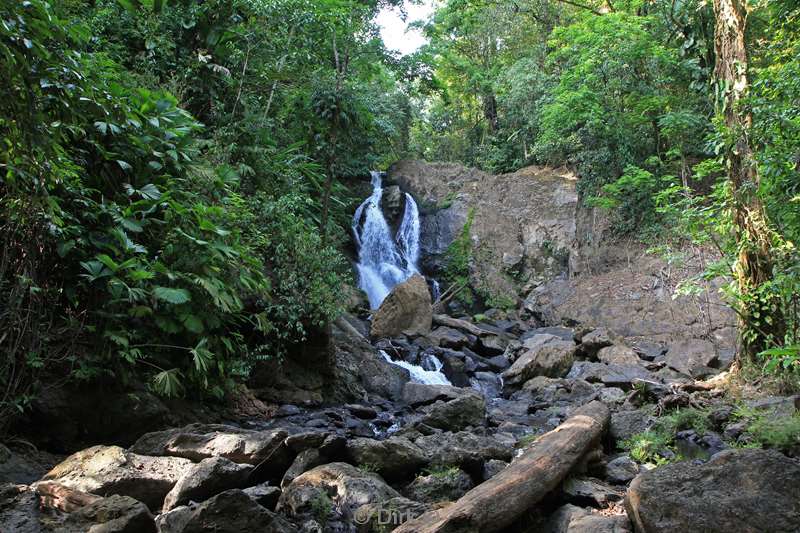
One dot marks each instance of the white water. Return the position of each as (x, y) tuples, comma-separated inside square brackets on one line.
[(384, 261), (419, 374)]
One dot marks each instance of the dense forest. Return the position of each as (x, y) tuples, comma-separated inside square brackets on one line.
[(173, 191)]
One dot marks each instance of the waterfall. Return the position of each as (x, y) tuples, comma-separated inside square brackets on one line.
[(384, 261), (419, 374)]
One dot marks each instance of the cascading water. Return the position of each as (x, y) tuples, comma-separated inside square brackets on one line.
[(384, 261)]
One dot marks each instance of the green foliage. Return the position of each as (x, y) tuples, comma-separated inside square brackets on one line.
[(657, 444), (768, 429), (459, 257)]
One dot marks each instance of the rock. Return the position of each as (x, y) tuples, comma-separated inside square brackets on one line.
[(231, 511), (107, 470), (387, 515), (455, 369), (611, 395), (545, 392), (545, 355), (621, 470), (626, 424), (613, 375), (444, 485), (467, 410), (746, 491), (592, 342), (464, 449), (305, 440), (201, 441), (114, 514), (347, 487), (493, 345), (593, 492), (561, 332), (572, 519), (691, 356), (205, 479), (394, 458), (619, 355), (493, 467), (287, 410), (265, 495), (20, 511), (406, 310), (417, 394), (24, 466), (393, 205), (487, 383), (364, 412), (448, 338), (777, 405), (305, 461)]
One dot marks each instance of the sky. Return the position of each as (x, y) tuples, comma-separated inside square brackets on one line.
[(393, 29)]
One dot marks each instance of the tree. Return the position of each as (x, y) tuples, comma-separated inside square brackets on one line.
[(760, 315)]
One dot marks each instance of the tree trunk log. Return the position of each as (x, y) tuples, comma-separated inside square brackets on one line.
[(498, 502), (463, 325)]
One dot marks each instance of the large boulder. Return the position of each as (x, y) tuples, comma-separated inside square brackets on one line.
[(572, 519), (406, 310), (746, 490), (231, 511), (205, 479), (115, 514), (417, 394), (619, 355), (439, 486), (201, 441), (393, 458), (464, 449), (611, 375), (107, 470), (347, 487), (691, 356), (467, 410), (544, 355)]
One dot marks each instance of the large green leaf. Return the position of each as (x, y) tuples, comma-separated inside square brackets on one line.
[(173, 296)]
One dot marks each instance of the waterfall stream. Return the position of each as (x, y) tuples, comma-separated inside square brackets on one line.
[(384, 260)]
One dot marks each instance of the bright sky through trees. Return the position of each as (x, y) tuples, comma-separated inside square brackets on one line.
[(395, 31)]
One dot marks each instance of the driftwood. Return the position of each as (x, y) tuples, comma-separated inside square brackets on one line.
[(499, 501), (57, 496), (463, 325)]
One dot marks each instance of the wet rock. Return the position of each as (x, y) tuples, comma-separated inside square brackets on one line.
[(107, 470), (455, 369), (265, 495), (572, 519), (231, 511), (448, 338), (363, 412), (443, 485), (691, 357), (488, 383), (24, 466), (492, 345), (621, 470), (347, 487), (287, 410), (737, 490), (200, 441), (544, 355), (618, 354), (393, 458), (493, 467), (19, 509), (407, 310), (626, 424), (206, 478)]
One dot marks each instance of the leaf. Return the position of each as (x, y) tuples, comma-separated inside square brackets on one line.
[(124, 165), (150, 192), (193, 323), (173, 296), (168, 383)]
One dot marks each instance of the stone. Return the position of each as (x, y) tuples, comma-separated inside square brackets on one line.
[(305, 461), (493, 467), (24, 467), (572, 519), (265, 495), (626, 424), (201, 441), (618, 354), (406, 310), (691, 356), (621, 469), (447, 337), (443, 485), (20, 511), (746, 490), (561, 332), (493, 345), (232, 511), (543, 391), (544, 355), (611, 395), (455, 369), (488, 383), (417, 394), (387, 515), (596, 339), (114, 514), (347, 487), (107, 470), (394, 458), (205, 479), (613, 375), (468, 410), (467, 450), (363, 412), (305, 440), (592, 492)]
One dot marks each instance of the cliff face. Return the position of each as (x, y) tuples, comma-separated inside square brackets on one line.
[(535, 243)]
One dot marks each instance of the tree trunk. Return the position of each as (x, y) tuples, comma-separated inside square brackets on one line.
[(753, 266), (498, 502)]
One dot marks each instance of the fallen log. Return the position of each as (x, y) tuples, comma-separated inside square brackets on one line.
[(499, 501), (463, 325), (57, 496)]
